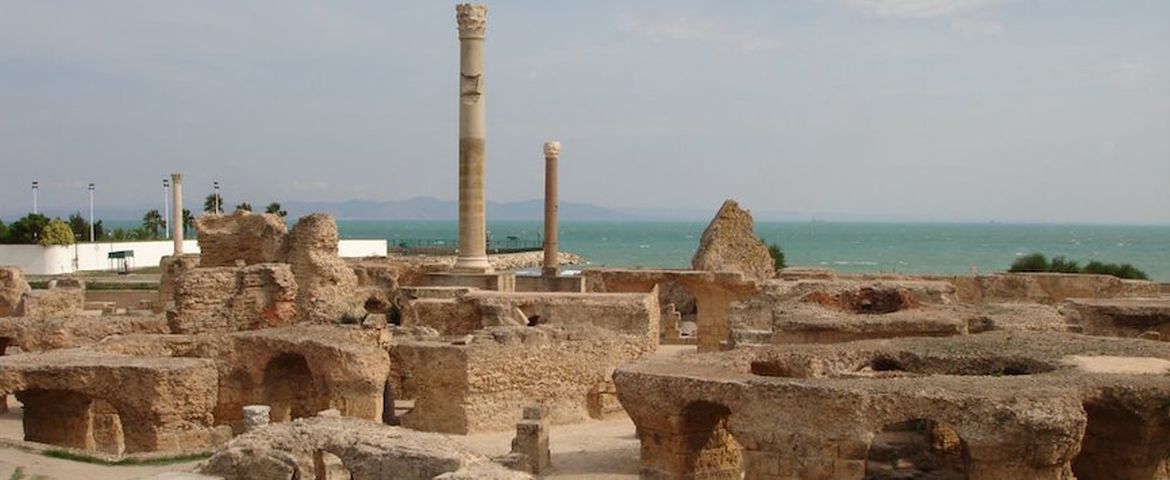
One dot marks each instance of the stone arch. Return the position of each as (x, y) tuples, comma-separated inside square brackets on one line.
[(917, 447), (73, 419), (708, 448), (290, 388), (1122, 443), (5, 342)]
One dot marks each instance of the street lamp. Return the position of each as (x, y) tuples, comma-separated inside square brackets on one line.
[(91, 213), (167, 208), (35, 185), (216, 197)]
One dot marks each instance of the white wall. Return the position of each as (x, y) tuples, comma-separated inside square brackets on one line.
[(38, 260)]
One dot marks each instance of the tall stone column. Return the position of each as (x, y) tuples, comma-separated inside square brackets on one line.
[(552, 151), (177, 211), (472, 133)]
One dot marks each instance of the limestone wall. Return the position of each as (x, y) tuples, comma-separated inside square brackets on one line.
[(64, 297), (225, 299), (12, 290), (327, 286), (242, 236), (729, 244), (40, 334), (1048, 288)]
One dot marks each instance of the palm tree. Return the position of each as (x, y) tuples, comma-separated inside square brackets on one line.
[(213, 203), (153, 222), (187, 221), (245, 206), (274, 208)]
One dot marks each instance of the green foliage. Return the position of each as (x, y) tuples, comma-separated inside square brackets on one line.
[(187, 219), (777, 256), (56, 232), (275, 209), (27, 230), (1039, 263), (244, 207), (211, 202), (80, 226), (3, 231), (1034, 262), (153, 223), (1060, 264)]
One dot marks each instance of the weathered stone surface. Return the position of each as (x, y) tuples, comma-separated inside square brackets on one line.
[(1121, 317), (12, 290), (114, 403), (327, 287), (531, 440), (729, 244), (256, 416), (366, 450), (1015, 402), (41, 334), (242, 236), (226, 299), (171, 267), (1048, 288), (64, 297)]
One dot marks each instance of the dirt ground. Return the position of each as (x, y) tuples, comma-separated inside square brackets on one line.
[(602, 449)]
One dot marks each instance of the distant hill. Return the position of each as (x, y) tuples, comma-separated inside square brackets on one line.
[(431, 208)]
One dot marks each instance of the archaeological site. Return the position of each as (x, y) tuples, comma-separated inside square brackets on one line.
[(269, 356)]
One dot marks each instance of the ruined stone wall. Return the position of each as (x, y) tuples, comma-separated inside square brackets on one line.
[(1047, 288), (327, 287), (158, 404), (226, 299), (242, 236), (729, 244), (37, 334), (171, 267), (64, 297), (12, 290)]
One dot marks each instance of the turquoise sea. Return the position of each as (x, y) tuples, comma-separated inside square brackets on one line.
[(845, 247)]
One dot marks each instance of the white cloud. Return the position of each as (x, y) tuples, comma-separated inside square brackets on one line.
[(920, 8), (702, 30), (1132, 75)]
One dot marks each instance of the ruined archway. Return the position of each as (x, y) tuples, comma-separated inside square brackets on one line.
[(290, 388), (710, 449), (71, 419), (1122, 444), (918, 448)]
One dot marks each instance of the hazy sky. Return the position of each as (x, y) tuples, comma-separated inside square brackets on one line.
[(1010, 110)]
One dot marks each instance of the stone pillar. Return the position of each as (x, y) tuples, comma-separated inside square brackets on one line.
[(552, 151), (472, 21), (256, 416), (177, 211), (532, 439)]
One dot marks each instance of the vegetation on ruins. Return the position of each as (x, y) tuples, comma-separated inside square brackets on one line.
[(1037, 262), (244, 207), (276, 209), (777, 256), (56, 232)]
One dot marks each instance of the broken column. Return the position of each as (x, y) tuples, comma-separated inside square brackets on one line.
[(177, 211), (256, 416), (532, 439), (552, 151), (472, 21)]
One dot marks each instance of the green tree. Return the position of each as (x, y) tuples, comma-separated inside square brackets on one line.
[(244, 206), (1034, 262), (3, 231), (27, 230), (777, 256), (56, 232), (275, 209), (211, 202), (187, 221), (1060, 264), (99, 230), (80, 226), (153, 223)]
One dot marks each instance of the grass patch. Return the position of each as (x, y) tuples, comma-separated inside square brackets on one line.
[(79, 457), (18, 474)]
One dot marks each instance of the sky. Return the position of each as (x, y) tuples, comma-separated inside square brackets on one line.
[(974, 110)]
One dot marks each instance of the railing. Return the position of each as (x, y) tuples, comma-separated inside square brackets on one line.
[(431, 246)]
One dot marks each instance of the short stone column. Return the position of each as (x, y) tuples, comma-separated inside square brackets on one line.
[(472, 258), (177, 211), (256, 416), (532, 438), (552, 151)]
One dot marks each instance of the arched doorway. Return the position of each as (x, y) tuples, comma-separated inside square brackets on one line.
[(918, 448), (71, 419), (711, 451), (290, 389)]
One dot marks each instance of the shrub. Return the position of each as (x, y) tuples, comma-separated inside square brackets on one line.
[(1124, 270), (27, 230), (56, 232), (777, 256), (1034, 262), (1060, 264)]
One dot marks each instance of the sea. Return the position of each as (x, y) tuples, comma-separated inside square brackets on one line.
[(846, 247)]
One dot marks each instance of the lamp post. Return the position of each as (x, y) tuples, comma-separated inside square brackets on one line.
[(216, 197), (166, 208), (34, 189), (91, 213)]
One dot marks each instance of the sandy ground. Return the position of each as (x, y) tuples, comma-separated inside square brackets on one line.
[(600, 449)]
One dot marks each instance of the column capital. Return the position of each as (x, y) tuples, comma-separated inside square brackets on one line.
[(177, 177), (472, 20), (552, 148)]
